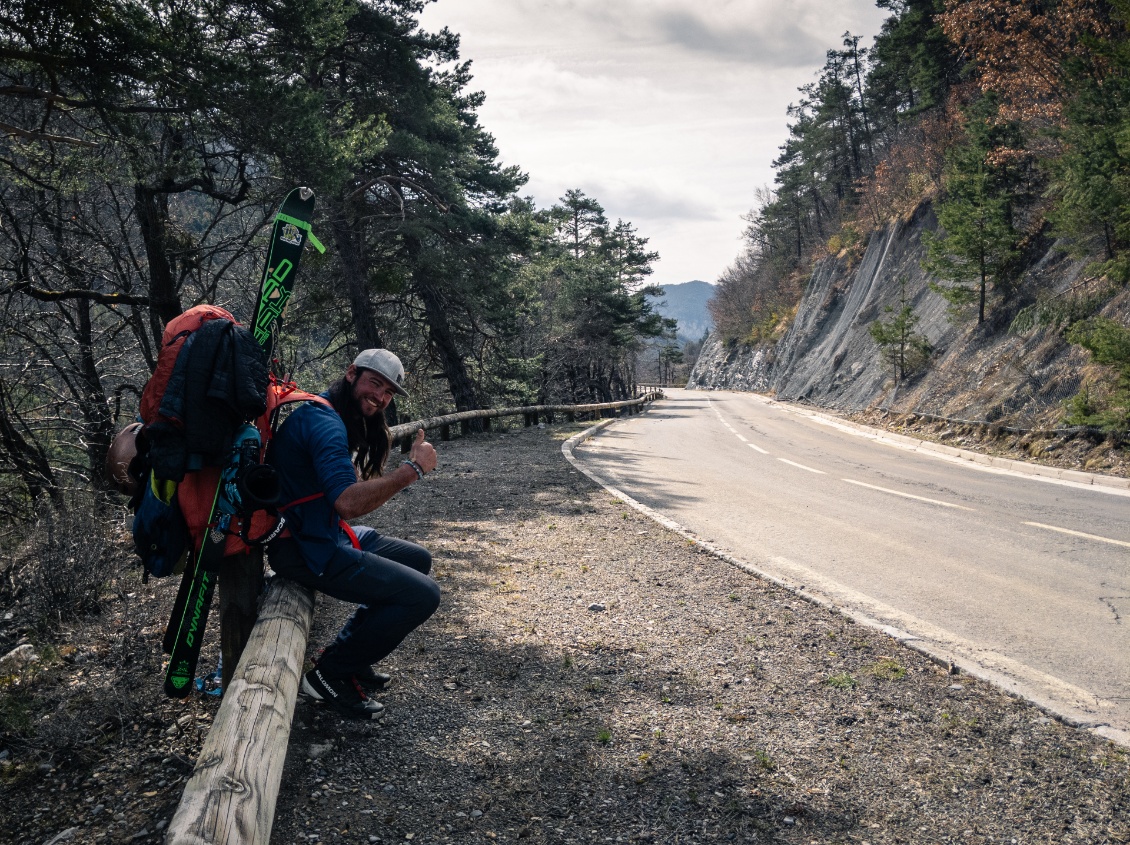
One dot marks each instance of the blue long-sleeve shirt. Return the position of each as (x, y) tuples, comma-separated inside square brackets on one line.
[(310, 451)]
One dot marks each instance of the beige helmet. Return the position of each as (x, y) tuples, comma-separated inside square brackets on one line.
[(123, 449)]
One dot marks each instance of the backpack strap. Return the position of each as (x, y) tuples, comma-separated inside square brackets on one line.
[(341, 523)]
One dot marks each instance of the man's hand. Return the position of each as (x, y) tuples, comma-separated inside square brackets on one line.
[(423, 453), (366, 496)]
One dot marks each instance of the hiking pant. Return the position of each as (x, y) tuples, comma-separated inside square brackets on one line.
[(387, 578)]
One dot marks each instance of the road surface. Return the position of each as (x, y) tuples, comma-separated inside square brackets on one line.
[(1018, 579)]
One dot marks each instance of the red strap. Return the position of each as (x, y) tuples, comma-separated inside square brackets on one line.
[(350, 533), (301, 501), (345, 526)]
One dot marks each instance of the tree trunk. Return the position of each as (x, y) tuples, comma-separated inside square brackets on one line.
[(152, 219), (98, 424), (354, 270), (443, 345)]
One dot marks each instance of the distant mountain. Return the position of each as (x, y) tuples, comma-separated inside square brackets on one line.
[(687, 304)]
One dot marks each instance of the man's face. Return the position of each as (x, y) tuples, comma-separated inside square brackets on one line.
[(371, 391)]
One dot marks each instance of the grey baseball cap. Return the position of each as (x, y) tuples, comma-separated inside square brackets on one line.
[(384, 362)]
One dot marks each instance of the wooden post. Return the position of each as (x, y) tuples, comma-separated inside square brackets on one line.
[(230, 798), (241, 582)]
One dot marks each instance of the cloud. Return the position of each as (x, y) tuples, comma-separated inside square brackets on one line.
[(668, 112), (786, 46), (647, 202)]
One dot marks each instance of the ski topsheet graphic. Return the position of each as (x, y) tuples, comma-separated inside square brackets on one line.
[(292, 230), (189, 617)]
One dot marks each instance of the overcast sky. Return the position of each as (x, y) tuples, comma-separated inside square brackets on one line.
[(668, 112)]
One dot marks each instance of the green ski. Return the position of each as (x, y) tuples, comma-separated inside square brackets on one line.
[(190, 611)]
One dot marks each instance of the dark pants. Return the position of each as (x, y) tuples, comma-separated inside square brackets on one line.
[(387, 578)]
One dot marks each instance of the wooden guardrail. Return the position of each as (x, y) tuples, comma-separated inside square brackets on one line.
[(531, 413), (230, 798)]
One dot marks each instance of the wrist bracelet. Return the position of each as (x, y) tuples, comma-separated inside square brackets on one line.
[(415, 466)]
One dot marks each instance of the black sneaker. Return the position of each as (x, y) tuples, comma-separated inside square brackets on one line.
[(372, 681), (342, 694)]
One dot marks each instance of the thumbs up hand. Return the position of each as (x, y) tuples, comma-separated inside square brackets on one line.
[(423, 453)]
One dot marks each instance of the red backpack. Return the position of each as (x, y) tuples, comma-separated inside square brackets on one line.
[(156, 530)]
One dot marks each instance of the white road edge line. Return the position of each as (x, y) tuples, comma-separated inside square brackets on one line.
[(932, 450), (1027, 683), (801, 466), (908, 495), (1079, 534)]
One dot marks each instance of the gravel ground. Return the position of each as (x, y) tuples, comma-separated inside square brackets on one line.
[(593, 678), (588, 678)]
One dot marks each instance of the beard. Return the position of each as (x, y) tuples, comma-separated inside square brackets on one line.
[(368, 437)]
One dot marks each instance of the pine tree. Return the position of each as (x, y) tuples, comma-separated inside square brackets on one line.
[(905, 351), (977, 249)]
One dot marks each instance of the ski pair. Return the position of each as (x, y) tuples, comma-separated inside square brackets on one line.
[(189, 618)]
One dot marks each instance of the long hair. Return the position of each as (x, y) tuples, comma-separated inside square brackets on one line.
[(369, 439)]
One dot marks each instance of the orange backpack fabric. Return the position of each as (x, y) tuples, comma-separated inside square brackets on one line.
[(172, 339)]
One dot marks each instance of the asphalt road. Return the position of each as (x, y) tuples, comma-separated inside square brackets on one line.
[(1015, 578)]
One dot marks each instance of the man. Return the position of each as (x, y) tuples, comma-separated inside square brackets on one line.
[(323, 487)]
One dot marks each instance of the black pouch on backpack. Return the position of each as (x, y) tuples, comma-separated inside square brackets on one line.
[(160, 534)]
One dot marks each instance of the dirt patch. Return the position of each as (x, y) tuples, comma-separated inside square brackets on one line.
[(590, 678)]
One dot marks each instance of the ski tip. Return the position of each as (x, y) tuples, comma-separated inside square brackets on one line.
[(305, 193)]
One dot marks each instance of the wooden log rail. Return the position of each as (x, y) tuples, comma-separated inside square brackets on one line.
[(230, 798), (405, 431)]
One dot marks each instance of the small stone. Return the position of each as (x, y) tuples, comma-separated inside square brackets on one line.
[(19, 657), (319, 750), (65, 836), (98, 808), (597, 608), (476, 814), (789, 820)]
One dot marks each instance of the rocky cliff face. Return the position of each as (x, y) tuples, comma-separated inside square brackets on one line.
[(828, 357)]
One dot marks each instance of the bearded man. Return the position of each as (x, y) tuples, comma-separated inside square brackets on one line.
[(331, 464)]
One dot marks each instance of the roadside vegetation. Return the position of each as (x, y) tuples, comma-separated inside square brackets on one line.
[(1009, 118)]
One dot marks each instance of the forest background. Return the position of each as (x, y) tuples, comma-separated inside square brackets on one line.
[(147, 146)]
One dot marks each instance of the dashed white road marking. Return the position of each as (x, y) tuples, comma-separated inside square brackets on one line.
[(908, 495), (737, 434), (801, 466), (1079, 534)]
